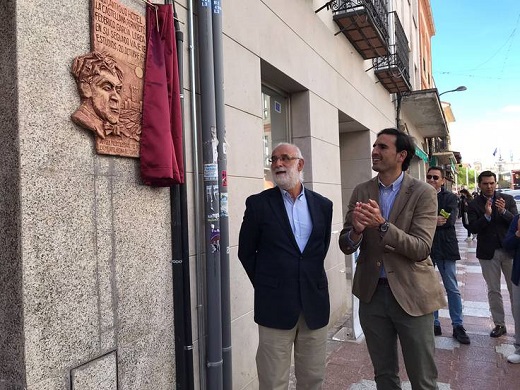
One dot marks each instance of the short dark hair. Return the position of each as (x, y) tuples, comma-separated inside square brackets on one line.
[(402, 142), (437, 169), (486, 174)]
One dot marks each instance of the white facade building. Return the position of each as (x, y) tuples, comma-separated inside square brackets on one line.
[(88, 247)]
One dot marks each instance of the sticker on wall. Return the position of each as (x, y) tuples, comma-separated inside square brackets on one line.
[(224, 205), (215, 239), (278, 107), (210, 172), (213, 218)]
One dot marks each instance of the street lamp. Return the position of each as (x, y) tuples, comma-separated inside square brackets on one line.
[(458, 89)]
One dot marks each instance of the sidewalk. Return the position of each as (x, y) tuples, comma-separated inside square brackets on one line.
[(482, 365)]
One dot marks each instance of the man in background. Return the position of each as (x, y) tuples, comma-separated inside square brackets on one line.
[(445, 252), (489, 216)]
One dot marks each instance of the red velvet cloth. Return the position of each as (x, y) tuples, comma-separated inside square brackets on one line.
[(161, 133)]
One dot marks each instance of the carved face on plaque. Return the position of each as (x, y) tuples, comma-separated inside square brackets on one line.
[(105, 93), (100, 82)]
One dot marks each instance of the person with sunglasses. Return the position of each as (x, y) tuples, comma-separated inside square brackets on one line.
[(283, 241), (445, 252)]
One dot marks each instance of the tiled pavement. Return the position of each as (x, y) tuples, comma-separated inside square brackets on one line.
[(482, 365)]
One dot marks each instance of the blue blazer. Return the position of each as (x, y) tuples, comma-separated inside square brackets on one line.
[(287, 282), (512, 243)]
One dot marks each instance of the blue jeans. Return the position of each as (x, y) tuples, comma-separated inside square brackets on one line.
[(448, 271)]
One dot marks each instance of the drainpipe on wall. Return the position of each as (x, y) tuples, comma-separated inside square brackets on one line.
[(211, 197), (180, 252), (199, 261), (218, 57)]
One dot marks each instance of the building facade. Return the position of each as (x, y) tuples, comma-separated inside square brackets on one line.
[(86, 268)]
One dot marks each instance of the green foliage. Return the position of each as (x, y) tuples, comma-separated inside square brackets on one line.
[(469, 182), (466, 182)]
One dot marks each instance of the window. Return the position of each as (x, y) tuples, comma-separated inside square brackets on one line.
[(276, 126)]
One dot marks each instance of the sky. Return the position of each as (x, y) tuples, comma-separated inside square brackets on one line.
[(477, 44)]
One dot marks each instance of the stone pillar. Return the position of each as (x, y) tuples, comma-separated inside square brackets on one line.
[(85, 261)]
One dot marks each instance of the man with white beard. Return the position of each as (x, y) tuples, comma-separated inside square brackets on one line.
[(284, 238)]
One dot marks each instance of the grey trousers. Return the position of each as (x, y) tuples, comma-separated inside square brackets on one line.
[(383, 322), (491, 271)]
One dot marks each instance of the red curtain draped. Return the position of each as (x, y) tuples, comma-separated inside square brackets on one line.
[(161, 133)]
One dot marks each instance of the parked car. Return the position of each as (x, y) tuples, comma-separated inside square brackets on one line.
[(515, 194)]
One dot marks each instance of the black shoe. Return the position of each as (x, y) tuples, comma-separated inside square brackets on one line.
[(459, 333), (437, 331), (498, 331)]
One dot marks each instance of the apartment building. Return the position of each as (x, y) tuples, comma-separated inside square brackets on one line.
[(89, 291)]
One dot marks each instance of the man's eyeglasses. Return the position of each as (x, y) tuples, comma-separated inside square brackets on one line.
[(434, 177), (285, 158)]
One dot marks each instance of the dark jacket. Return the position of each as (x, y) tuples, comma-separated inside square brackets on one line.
[(463, 207), (490, 233), (512, 243), (445, 245), (287, 282)]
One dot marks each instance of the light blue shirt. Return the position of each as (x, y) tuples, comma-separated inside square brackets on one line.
[(299, 217), (387, 195)]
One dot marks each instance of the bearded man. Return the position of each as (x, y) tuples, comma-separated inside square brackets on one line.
[(284, 238)]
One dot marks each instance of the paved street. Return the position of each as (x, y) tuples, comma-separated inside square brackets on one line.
[(482, 365)]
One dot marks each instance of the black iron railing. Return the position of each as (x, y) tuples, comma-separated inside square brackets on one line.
[(398, 59), (377, 9)]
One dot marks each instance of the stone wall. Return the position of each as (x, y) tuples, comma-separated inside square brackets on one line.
[(85, 262)]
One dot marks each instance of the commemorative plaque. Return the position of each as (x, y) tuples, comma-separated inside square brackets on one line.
[(110, 78)]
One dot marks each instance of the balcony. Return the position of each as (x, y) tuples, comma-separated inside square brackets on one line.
[(364, 23), (424, 110), (393, 70)]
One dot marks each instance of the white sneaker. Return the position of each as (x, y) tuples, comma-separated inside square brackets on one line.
[(514, 358)]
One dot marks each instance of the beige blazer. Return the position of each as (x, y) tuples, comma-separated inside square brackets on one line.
[(404, 249)]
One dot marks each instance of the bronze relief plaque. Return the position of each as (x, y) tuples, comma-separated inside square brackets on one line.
[(110, 79)]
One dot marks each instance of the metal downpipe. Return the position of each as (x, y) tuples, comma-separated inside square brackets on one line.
[(211, 198), (199, 261), (180, 251), (218, 57)]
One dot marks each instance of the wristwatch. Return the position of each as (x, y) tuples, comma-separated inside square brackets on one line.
[(383, 228)]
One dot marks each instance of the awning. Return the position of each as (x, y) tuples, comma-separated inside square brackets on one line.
[(424, 111), (458, 157), (445, 157), (421, 154)]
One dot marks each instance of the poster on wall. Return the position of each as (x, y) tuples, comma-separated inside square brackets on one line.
[(110, 78)]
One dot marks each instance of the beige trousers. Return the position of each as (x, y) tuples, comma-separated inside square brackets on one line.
[(273, 358)]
